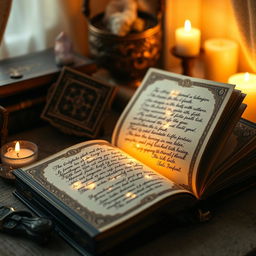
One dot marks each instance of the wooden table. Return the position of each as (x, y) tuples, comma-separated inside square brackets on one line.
[(232, 231)]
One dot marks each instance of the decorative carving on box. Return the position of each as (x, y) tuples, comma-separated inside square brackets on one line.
[(78, 103), (127, 56)]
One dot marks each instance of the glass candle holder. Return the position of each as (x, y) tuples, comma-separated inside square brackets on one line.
[(20, 153)]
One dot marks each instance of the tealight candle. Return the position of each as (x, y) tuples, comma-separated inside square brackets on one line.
[(221, 57), (18, 154), (187, 40), (247, 84)]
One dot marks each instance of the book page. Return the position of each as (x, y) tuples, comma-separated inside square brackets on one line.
[(101, 183), (168, 123)]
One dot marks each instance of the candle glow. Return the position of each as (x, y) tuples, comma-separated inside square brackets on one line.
[(17, 147), (221, 59), (18, 154), (246, 82), (187, 40), (187, 25)]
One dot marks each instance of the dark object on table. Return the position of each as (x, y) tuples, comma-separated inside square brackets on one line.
[(187, 62), (25, 97), (3, 125), (23, 223), (6, 172), (78, 103), (130, 55)]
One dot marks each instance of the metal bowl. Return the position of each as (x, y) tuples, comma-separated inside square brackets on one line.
[(129, 56)]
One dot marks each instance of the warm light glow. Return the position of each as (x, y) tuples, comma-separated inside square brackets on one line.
[(17, 147), (137, 145), (246, 76), (91, 186), (88, 158), (187, 40), (246, 82), (130, 195), (77, 185), (187, 25), (147, 176), (174, 93), (220, 59), (166, 125), (168, 112)]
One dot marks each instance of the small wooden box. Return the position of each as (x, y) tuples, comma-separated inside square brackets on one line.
[(25, 97)]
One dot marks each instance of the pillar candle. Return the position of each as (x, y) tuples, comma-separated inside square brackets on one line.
[(187, 40), (221, 57), (247, 84)]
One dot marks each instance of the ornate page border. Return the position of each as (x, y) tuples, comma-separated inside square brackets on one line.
[(219, 92), (99, 221)]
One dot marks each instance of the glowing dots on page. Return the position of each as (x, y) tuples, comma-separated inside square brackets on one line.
[(166, 125), (137, 145), (130, 195), (76, 185), (174, 93), (91, 185), (168, 112), (88, 158)]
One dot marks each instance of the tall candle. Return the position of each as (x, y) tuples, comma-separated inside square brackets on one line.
[(187, 40), (221, 57), (247, 84)]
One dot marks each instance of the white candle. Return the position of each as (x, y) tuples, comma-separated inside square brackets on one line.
[(221, 56), (187, 40), (247, 84), (18, 154)]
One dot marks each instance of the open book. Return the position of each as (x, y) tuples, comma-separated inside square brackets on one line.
[(179, 140)]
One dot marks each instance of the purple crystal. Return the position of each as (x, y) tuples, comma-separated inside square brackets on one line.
[(63, 50)]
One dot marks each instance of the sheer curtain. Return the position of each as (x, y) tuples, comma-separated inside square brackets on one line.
[(245, 11), (33, 25)]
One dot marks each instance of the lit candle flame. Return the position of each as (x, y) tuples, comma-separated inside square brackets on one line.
[(187, 25), (246, 76), (17, 148)]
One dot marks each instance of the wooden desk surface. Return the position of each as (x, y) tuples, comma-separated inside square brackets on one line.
[(232, 231)]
